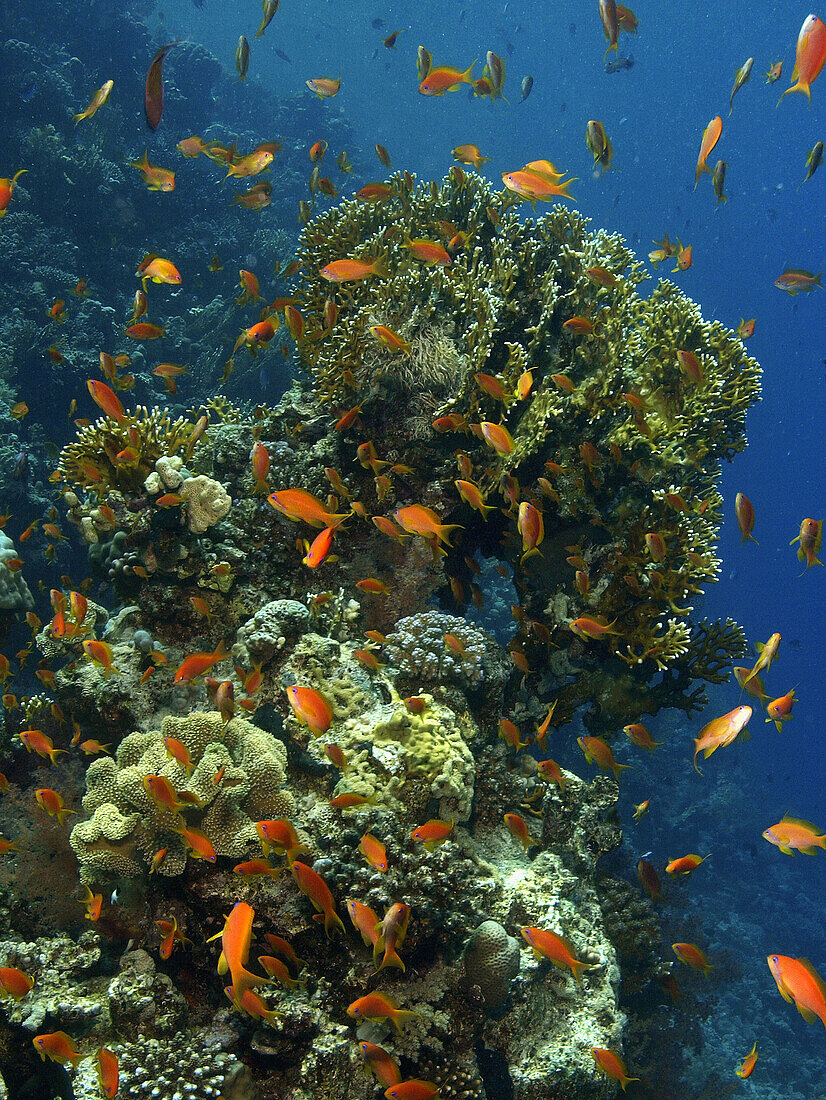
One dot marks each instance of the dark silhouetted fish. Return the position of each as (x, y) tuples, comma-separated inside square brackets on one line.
[(283, 56), (527, 84), (620, 64)]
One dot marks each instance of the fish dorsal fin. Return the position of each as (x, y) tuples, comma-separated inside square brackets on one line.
[(789, 820)]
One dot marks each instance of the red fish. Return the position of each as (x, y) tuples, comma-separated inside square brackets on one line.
[(799, 982), (711, 135), (313, 886), (810, 56), (153, 97)]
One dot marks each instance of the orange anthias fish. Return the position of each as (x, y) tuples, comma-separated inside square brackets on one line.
[(52, 803), (531, 527), (469, 154), (810, 539), (313, 886), (375, 1006), (98, 99), (235, 950), (684, 865), (538, 181), (711, 135), (780, 710), (153, 95), (610, 24), (746, 1067), (7, 190), (392, 931), (640, 736), (100, 653), (106, 399), (721, 732), (792, 834), (598, 751), (650, 880), (385, 1068), (744, 510), (40, 742), (767, 654), (158, 270), (445, 78), (348, 271), (324, 86), (155, 178), (199, 663), (799, 983), (611, 1065), (497, 437), (416, 519), (693, 956), (299, 504), (809, 58), (310, 708), (15, 982), (559, 951), (57, 1046), (432, 833), (373, 851), (108, 1074)]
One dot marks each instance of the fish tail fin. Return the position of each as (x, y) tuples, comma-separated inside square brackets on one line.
[(55, 752), (331, 921), (441, 528), (467, 75), (380, 267), (696, 754), (578, 969), (221, 651), (391, 958), (401, 1016), (798, 87)]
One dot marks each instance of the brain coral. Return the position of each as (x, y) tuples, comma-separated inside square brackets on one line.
[(125, 828)]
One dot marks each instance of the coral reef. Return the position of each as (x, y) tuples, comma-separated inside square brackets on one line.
[(14, 592)]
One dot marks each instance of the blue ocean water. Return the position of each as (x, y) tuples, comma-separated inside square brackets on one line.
[(748, 900)]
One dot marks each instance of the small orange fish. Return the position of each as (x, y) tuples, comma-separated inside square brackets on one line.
[(744, 510), (41, 743), (497, 437), (799, 982), (780, 710), (374, 852), (58, 1047), (313, 886), (810, 56), (598, 751), (640, 736), (792, 834), (746, 1067), (100, 653), (162, 793), (391, 340), (176, 750), (383, 1065), (417, 519), (518, 827), (810, 539), (445, 78), (15, 982), (767, 654), (375, 1006), (684, 865), (548, 945), (108, 1073), (711, 135), (199, 663), (98, 99), (199, 844), (172, 934), (693, 956), (159, 270), (155, 178), (610, 1064), (279, 835), (310, 708), (433, 833), (7, 190), (52, 803), (324, 86)]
